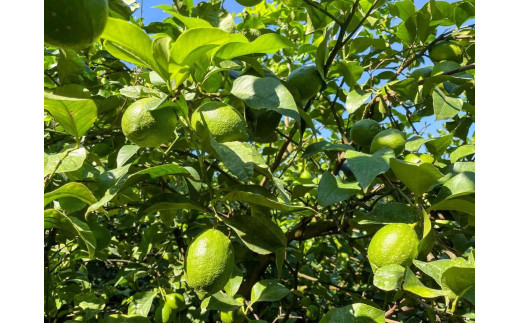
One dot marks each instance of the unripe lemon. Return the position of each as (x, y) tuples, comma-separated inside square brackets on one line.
[(394, 243), (74, 24), (175, 301), (222, 121), (446, 51), (209, 263), (234, 316), (423, 158), (391, 138), (148, 128), (363, 131), (307, 80)]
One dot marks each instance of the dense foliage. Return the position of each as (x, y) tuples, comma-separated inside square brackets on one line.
[(299, 199)]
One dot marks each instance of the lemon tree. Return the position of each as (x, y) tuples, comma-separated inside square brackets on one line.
[(275, 161)]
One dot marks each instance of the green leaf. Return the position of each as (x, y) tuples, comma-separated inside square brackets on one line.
[(189, 22), (463, 12), (268, 290), (456, 204), (234, 282), (259, 234), (220, 302), (366, 167), (354, 313), (122, 318), (351, 71), (194, 43), (168, 201), (240, 157), (89, 303), (142, 303), (407, 30), (417, 177), (414, 285), (264, 44), (458, 280), (355, 99), (72, 162), (393, 212), (414, 143), (406, 89), (445, 107), (128, 42), (129, 180), (74, 190), (438, 146), (460, 184), (389, 277), (161, 55), (76, 116), (125, 153), (265, 93), (140, 91), (332, 190), (324, 146), (406, 9), (461, 152), (72, 225), (436, 268), (245, 194)]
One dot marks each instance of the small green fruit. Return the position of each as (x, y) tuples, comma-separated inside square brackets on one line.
[(209, 263), (74, 24), (446, 51), (391, 138), (222, 121), (394, 243), (363, 131), (148, 128), (313, 312), (307, 80)]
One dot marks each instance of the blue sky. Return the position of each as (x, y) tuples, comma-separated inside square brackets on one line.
[(152, 14)]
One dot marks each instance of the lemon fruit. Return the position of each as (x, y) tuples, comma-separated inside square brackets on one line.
[(363, 131), (74, 24), (307, 80), (313, 312), (223, 122), (209, 263), (148, 128), (394, 243), (423, 158), (248, 3), (175, 301), (391, 138), (446, 51)]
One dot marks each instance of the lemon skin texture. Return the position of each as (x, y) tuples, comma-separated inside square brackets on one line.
[(391, 138), (363, 131), (209, 263), (446, 51), (394, 243), (223, 122), (74, 24), (148, 128), (307, 80)]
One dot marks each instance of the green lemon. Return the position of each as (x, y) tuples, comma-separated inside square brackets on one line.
[(313, 312), (307, 80), (446, 51), (209, 263), (394, 243), (249, 3), (235, 316), (175, 301), (148, 128), (222, 121), (392, 138), (74, 24), (306, 175), (363, 131), (423, 158)]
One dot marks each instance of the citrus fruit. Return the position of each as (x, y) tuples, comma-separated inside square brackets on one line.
[(313, 312), (74, 24), (249, 3), (175, 301), (148, 128), (209, 263), (446, 51), (234, 316), (394, 243), (307, 80), (222, 121), (363, 131), (412, 158), (391, 138)]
